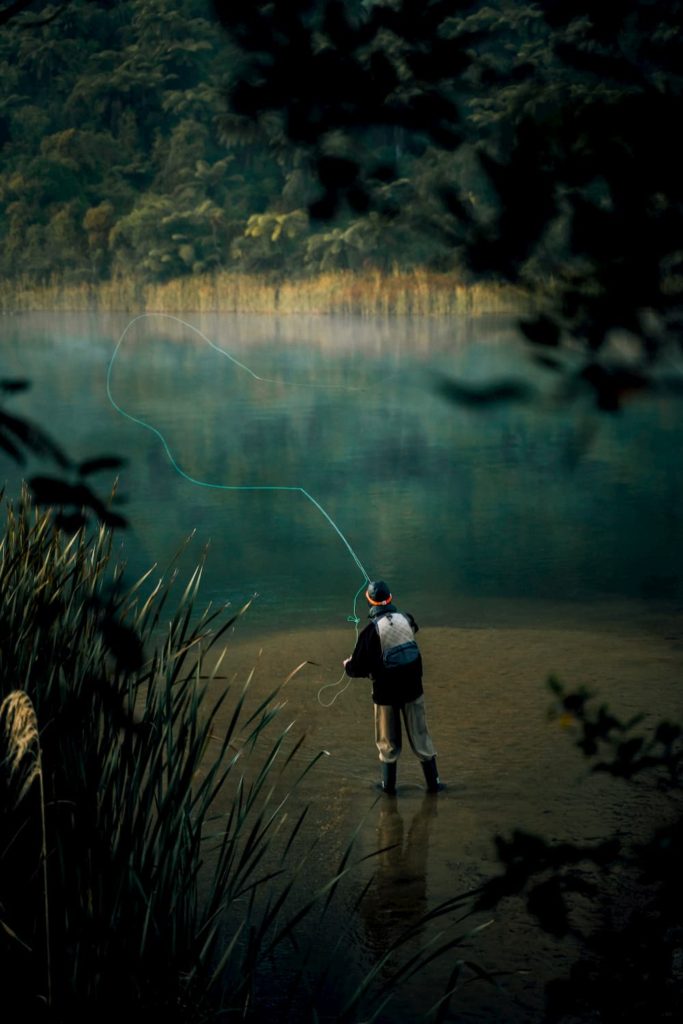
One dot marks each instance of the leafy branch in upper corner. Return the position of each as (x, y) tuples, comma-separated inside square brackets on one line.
[(532, 141), (630, 967)]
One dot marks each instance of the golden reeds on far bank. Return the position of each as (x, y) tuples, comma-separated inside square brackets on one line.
[(370, 293)]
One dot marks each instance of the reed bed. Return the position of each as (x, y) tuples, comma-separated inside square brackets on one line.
[(110, 765), (418, 293), (122, 724)]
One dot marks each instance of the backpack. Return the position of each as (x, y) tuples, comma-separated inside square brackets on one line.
[(396, 640)]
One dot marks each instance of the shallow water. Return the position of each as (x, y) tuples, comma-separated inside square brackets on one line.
[(526, 539), (506, 766)]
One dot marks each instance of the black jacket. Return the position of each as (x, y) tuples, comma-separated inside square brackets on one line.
[(389, 686)]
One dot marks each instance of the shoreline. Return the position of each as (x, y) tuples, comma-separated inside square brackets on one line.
[(636, 617), (412, 293)]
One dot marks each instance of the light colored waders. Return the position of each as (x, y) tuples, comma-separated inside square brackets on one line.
[(388, 730)]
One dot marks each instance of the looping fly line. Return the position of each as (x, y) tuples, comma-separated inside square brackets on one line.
[(242, 487)]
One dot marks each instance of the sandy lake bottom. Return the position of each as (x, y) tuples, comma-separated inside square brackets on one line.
[(506, 765)]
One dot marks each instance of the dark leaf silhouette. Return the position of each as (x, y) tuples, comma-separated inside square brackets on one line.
[(13, 386), (481, 395), (11, 10), (547, 903), (123, 642), (48, 490), (8, 445), (547, 362), (70, 522), (20, 437), (60, 493), (541, 331), (612, 385), (630, 939), (667, 733), (109, 518), (96, 465), (33, 439)]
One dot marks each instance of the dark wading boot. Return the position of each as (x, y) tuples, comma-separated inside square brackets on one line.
[(388, 784), (434, 783)]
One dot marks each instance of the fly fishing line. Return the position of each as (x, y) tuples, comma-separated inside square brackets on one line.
[(242, 487)]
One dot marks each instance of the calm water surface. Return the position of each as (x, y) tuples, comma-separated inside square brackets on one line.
[(507, 509)]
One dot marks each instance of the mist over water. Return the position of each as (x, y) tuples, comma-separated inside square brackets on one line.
[(469, 511)]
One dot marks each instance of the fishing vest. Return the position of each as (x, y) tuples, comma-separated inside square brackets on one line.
[(396, 639)]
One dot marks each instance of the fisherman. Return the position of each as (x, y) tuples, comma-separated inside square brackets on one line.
[(386, 652)]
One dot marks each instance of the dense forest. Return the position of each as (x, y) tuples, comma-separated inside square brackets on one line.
[(119, 157), (505, 141)]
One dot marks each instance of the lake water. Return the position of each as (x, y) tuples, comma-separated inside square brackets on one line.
[(525, 538), (504, 510)]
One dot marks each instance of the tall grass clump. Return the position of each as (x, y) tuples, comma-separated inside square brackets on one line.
[(116, 878)]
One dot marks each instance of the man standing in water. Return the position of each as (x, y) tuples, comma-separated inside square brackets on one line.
[(386, 651)]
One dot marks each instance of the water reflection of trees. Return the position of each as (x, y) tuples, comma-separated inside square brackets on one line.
[(493, 494)]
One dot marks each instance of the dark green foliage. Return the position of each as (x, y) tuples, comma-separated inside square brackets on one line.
[(117, 157), (629, 967), (559, 165), (128, 783), (112, 143), (604, 736)]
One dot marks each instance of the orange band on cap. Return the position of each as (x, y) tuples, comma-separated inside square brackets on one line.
[(376, 603)]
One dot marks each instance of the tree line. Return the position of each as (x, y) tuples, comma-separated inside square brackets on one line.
[(118, 156)]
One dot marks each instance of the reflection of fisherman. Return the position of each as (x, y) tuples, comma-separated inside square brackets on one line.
[(386, 651), (398, 895)]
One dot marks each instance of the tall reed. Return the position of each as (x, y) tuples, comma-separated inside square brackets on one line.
[(23, 767), (371, 293)]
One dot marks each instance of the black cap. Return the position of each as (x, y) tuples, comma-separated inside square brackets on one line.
[(378, 592)]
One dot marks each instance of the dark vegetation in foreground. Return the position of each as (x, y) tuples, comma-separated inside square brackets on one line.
[(123, 891), (630, 966)]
